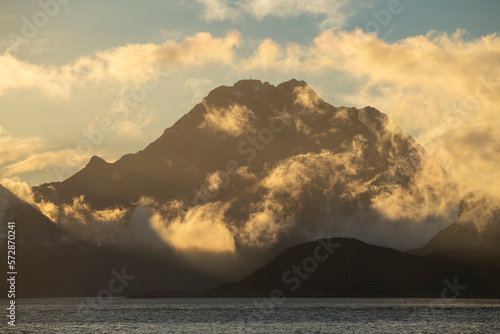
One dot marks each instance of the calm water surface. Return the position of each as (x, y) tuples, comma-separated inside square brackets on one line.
[(256, 316)]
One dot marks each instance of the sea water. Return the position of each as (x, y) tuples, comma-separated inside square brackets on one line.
[(255, 315)]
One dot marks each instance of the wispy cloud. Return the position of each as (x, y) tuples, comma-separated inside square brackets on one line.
[(131, 63), (18, 188), (234, 120), (331, 12), (44, 160), (13, 148)]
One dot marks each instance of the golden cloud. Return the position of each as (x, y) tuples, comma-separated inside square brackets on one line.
[(47, 159), (234, 120), (123, 64), (14, 148)]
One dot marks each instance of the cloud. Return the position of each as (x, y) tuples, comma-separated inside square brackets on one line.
[(14, 148), (295, 187), (307, 98), (23, 191), (200, 229), (197, 236), (18, 188), (218, 10), (331, 12), (270, 55), (45, 160), (20, 155), (443, 89), (200, 49), (264, 228), (234, 120), (22, 74), (148, 224), (131, 63), (430, 193), (482, 210), (214, 181), (404, 199)]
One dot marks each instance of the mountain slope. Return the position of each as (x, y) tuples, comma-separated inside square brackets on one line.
[(51, 263), (475, 235), (342, 267)]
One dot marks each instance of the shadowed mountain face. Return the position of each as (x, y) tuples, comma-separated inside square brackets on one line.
[(475, 235), (342, 267), (259, 126), (51, 263), (255, 168)]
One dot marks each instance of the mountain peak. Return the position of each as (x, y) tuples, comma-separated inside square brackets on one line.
[(284, 137), (293, 83), (97, 161), (251, 83), (261, 96), (247, 83)]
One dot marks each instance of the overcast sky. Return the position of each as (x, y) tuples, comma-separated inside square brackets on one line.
[(68, 66)]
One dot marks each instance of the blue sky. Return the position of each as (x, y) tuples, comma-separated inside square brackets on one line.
[(69, 75), (94, 25)]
